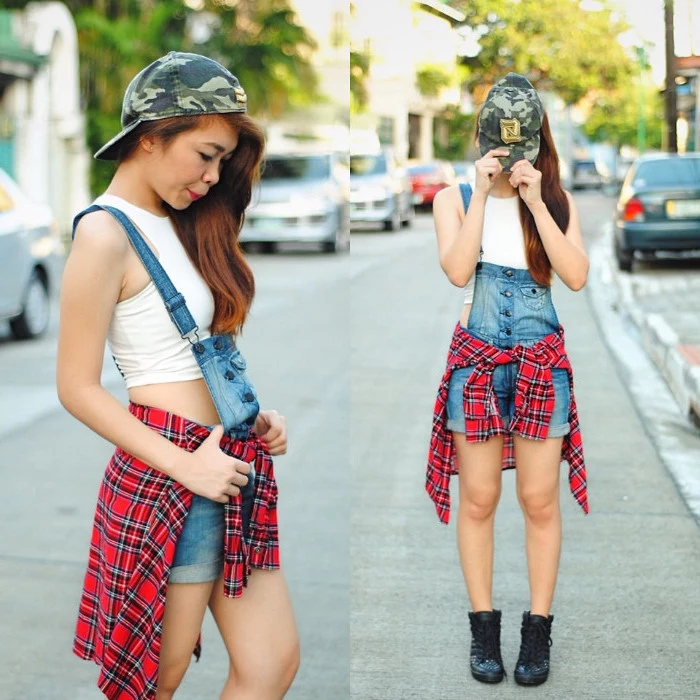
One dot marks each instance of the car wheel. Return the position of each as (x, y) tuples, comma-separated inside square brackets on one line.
[(340, 242), (410, 215), (624, 257), (393, 224), (34, 319)]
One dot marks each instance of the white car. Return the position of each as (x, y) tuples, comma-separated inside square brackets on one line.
[(31, 261), (303, 198)]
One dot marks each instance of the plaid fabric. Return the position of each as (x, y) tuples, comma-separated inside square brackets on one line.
[(534, 403), (139, 516)]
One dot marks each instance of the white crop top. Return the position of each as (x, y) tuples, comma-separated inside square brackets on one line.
[(502, 241), (142, 337)]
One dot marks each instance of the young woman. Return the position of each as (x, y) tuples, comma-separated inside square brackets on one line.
[(186, 514), (506, 398)]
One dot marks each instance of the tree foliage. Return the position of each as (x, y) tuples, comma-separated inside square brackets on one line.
[(558, 45), (614, 116), (260, 41)]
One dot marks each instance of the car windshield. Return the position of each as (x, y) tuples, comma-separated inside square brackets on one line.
[(671, 171), (368, 165), (296, 168)]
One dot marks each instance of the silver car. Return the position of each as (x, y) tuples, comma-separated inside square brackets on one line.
[(380, 192), (303, 198), (31, 261)]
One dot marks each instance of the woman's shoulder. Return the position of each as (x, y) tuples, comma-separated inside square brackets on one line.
[(100, 231), (448, 196)]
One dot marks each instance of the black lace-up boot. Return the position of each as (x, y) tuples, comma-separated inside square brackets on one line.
[(485, 654), (533, 662)]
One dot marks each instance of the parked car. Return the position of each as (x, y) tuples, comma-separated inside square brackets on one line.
[(427, 179), (304, 197), (586, 174), (380, 192), (31, 261), (659, 207)]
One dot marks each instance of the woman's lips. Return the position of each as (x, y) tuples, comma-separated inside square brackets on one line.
[(194, 195)]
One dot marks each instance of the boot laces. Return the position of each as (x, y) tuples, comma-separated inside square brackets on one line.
[(488, 638), (536, 640)]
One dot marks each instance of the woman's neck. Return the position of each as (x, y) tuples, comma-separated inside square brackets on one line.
[(502, 189), (128, 183)]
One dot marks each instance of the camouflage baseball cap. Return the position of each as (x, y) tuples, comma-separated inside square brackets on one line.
[(511, 119), (176, 85)]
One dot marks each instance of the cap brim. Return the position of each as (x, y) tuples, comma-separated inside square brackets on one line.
[(110, 151)]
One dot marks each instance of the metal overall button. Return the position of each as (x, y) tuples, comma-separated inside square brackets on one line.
[(218, 344), (229, 375), (198, 347), (508, 331), (509, 273), (508, 294), (249, 396), (509, 313)]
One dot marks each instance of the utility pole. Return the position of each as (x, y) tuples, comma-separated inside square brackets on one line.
[(671, 116)]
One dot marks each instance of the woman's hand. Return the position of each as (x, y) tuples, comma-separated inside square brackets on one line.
[(527, 181), (211, 473), (271, 427), (488, 169)]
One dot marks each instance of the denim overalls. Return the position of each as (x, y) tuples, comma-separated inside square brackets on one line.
[(509, 308), (222, 365)]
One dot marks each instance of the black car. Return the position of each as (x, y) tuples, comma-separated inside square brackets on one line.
[(659, 207)]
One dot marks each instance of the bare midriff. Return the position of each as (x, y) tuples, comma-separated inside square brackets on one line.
[(464, 316), (190, 399)]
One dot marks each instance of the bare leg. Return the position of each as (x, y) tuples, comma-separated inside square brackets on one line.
[(537, 479), (185, 604), (260, 635), (479, 493)]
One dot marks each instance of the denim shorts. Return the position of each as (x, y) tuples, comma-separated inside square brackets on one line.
[(504, 377), (199, 554)]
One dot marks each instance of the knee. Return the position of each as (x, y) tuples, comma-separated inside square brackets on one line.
[(479, 503), (269, 679), (169, 679), (539, 507)]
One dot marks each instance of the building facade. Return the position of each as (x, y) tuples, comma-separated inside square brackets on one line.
[(42, 126)]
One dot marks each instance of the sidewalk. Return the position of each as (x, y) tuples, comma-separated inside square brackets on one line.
[(665, 307), (627, 606)]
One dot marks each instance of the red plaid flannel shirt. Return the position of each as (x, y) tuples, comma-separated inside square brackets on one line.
[(140, 513), (534, 403)]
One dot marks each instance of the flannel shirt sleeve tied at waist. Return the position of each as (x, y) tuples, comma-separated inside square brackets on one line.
[(534, 405)]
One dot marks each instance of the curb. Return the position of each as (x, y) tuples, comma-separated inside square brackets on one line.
[(679, 364)]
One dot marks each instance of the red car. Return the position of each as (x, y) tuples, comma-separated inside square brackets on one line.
[(427, 179)]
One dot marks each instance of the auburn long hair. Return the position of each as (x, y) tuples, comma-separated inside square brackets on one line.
[(553, 196), (209, 228)]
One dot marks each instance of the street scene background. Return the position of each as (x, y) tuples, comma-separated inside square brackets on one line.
[(349, 331)]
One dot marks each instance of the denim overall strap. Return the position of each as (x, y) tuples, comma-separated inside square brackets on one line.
[(466, 192), (173, 300)]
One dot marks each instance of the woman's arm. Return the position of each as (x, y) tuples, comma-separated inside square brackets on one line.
[(91, 285), (459, 234), (565, 252)]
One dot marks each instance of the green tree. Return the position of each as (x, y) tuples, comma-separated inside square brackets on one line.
[(614, 116), (558, 45)]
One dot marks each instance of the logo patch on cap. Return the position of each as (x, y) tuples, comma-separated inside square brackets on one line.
[(510, 131), (240, 95)]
